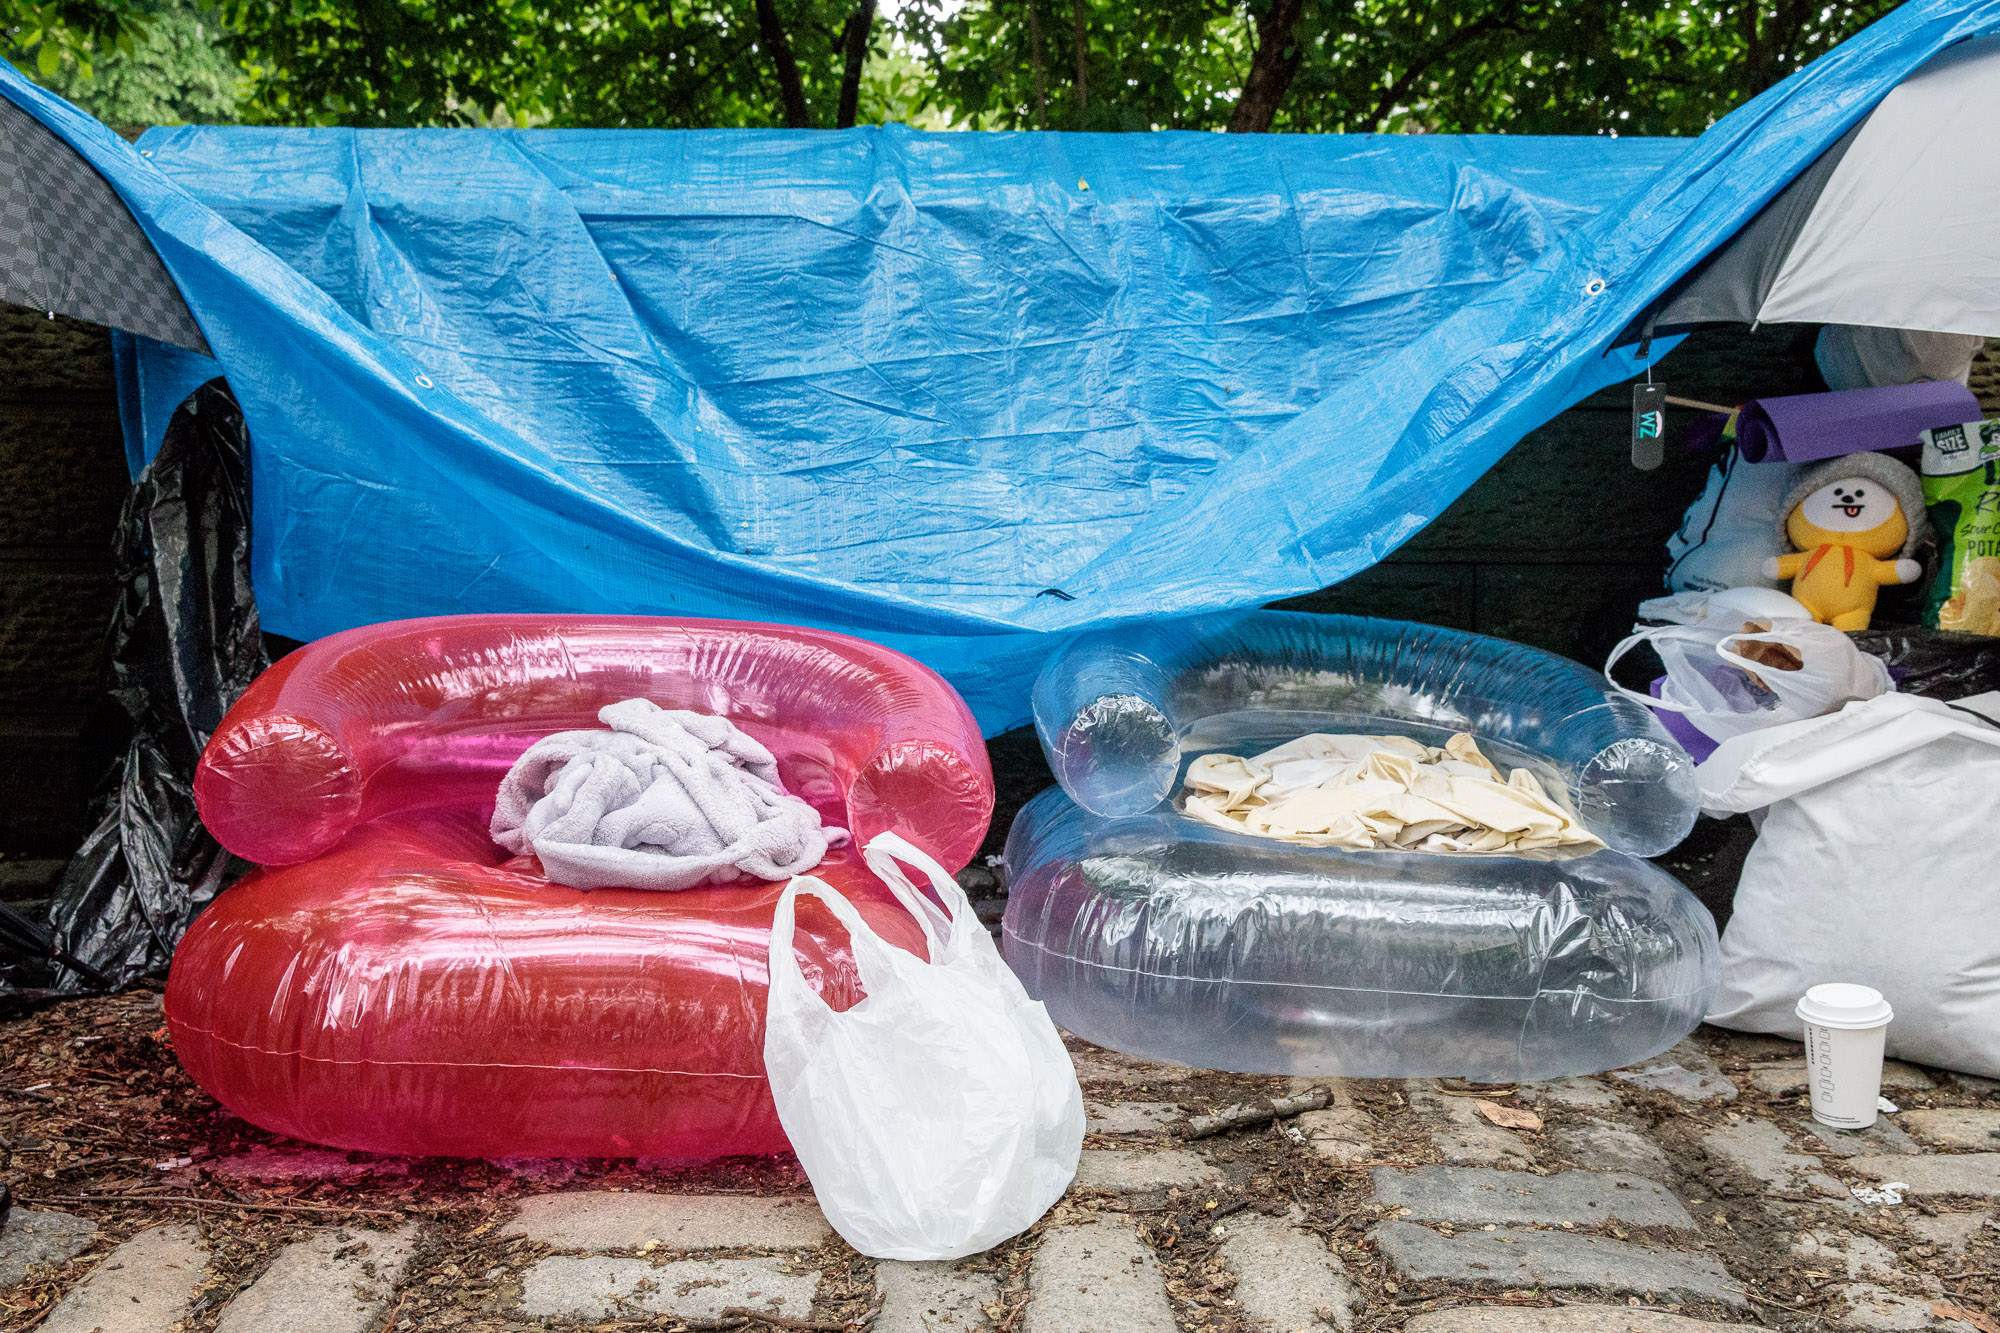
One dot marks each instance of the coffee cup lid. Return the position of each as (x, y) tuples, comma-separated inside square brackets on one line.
[(1841, 1004)]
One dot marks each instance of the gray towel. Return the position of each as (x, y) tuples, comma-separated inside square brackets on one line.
[(663, 800)]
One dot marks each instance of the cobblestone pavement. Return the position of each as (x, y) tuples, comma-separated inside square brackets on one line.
[(1691, 1190)]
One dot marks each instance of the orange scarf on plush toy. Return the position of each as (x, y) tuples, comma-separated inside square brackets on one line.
[(1819, 554)]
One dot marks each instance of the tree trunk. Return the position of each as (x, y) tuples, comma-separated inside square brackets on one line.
[(855, 38), (1082, 56), (1753, 46), (1773, 46), (375, 60), (1271, 69), (791, 89), (1035, 58)]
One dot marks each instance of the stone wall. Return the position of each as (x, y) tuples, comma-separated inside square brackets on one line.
[(1554, 547), (1559, 543), (62, 481)]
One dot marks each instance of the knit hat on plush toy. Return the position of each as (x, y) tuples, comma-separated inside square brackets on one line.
[(1896, 478)]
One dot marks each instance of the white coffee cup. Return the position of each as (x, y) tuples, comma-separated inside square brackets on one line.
[(1846, 1026)]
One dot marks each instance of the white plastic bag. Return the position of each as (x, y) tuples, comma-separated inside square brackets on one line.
[(1691, 608), (1874, 865), (1709, 678), (938, 1116)]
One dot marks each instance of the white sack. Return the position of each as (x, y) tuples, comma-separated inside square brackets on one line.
[(1858, 357), (1876, 864), (1728, 533)]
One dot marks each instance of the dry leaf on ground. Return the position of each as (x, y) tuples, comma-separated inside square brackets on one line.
[(1985, 1323), (1509, 1117)]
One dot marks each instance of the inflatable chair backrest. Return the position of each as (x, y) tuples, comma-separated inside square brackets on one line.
[(1119, 711), (433, 713)]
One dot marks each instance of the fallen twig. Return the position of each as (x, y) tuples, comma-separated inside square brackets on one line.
[(737, 1316), (1777, 1305), (1326, 1229), (1254, 1113), (1511, 1298), (189, 1200), (40, 1315)]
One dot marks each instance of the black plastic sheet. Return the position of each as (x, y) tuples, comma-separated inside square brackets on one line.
[(1935, 663), (184, 644)]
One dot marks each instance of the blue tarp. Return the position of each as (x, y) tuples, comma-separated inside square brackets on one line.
[(958, 393)]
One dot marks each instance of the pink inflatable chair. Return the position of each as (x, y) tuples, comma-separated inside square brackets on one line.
[(389, 980)]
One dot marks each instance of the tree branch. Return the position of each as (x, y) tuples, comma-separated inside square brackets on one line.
[(1471, 32), (1271, 69), (685, 89), (791, 89), (854, 37)]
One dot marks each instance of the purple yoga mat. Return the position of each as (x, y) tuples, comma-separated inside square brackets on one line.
[(1811, 426), (1695, 741)]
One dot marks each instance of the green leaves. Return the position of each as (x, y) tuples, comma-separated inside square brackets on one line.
[(1450, 66), (1364, 66), (664, 63), (55, 35), (176, 68)]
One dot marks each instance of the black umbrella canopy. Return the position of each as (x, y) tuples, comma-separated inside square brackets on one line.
[(68, 244)]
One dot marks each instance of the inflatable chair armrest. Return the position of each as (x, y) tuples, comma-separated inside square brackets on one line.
[(937, 791), (1631, 783), (1105, 719), (276, 786)]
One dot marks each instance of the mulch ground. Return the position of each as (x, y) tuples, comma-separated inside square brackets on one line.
[(97, 1119)]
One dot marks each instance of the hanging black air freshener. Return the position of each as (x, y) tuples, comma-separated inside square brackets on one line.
[(1649, 426)]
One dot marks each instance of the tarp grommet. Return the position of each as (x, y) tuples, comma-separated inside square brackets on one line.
[(1595, 287), (426, 382)]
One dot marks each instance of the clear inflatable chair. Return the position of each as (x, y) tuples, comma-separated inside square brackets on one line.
[(1148, 931)]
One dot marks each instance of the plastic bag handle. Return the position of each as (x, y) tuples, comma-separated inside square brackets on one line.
[(1744, 664), (1764, 671), (871, 951), (883, 854), (1626, 645)]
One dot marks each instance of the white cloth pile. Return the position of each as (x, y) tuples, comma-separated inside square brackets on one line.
[(1381, 793), (663, 800)]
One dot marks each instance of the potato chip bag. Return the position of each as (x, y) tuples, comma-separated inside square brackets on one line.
[(1961, 471)]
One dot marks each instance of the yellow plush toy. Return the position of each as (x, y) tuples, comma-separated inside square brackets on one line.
[(1853, 525)]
